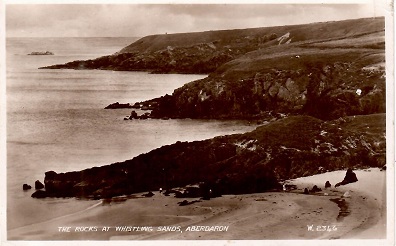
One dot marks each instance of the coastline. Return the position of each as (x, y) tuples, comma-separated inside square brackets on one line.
[(259, 216)]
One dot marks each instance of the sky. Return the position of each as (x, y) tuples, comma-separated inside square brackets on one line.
[(138, 20)]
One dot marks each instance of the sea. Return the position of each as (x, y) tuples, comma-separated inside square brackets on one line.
[(56, 119)]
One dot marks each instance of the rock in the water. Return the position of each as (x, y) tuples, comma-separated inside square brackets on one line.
[(40, 194), (350, 177), (26, 187), (117, 105), (134, 115), (327, 184), (306, 191), (38, 185)]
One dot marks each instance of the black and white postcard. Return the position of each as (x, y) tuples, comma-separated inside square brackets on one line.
[(187, 122)]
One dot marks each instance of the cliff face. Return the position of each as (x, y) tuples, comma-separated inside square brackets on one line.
[(326, 70), (326, 84), (243, 163)]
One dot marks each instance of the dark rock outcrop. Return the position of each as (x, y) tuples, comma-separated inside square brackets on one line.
[(117, 105), (315, 188), (133, 115), (38, 185), (327, 184), (350, 177), (26, 187), (243, 163), (321, 86), (40, 194)]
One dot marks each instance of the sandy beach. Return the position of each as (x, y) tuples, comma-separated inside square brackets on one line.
[(260, 216)]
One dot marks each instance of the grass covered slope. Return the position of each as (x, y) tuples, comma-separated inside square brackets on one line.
[(291, 79), (204, 52), (323, 76), (243, 163), (244, 37)]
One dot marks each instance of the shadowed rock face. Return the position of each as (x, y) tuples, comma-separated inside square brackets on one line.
[(323, 90), (350, 177), (242, 163)]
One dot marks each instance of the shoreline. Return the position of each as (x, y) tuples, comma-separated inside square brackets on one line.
[(257, 216)]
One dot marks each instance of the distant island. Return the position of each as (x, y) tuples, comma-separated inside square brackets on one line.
[(41, 53), (117, 105)]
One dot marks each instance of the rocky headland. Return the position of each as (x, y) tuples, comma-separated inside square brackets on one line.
[(326, 70), (256, 161), (319, 89)]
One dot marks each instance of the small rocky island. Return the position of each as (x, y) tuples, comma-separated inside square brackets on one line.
[(41, 53), (117, 105)]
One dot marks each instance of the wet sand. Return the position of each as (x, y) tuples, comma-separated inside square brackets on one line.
[(260, 216)]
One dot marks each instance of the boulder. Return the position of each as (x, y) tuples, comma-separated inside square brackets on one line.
[(350, 177), (38, 185), (306, 191), (40, 194), (26, 187), (327, 184), (134, 115), (315, 188)]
